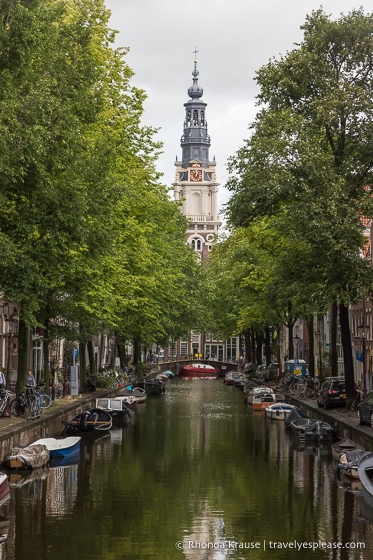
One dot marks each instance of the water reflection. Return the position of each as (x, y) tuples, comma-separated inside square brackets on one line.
[(193, 467)]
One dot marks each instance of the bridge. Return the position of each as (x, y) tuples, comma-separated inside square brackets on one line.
[(176, 365)]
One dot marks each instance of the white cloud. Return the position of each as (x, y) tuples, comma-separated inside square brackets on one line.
[(233, 38)]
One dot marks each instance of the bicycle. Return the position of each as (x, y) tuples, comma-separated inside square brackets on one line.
[(25, 403), (44, 400), (312, 387), (4, 398)]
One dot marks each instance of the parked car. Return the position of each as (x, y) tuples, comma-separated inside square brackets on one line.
[(332, 393), (365, 410)]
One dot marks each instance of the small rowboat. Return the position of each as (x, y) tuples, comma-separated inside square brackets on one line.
[(31, 457), (60, 447), (310, 429), (365, 471), (257, 392), (261, 402), (115, 406), (349, 462), (4, 489), (89, 421), (343, 446), (138, 392), (279, 411)]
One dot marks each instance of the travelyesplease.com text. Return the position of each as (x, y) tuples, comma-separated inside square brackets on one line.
[(268, 545)]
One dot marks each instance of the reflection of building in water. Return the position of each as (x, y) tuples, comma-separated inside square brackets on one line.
[(207, 540), (62, 488)]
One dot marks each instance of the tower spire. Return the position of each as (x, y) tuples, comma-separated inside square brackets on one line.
[(195, 141)]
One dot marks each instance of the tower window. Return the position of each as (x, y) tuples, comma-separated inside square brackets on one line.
[(202, 117), (195, 117), (196, 244)]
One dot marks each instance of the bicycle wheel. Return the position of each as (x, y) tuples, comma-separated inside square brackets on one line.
[(16, 408), (46, 401), (3, 405), (309, 393), (32, 403)]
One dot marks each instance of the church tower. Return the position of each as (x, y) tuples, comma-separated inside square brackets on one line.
[(195, 175)]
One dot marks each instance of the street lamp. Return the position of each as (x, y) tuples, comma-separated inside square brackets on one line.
[(319, 336)]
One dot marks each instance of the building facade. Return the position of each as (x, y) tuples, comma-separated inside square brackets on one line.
[(196, 188), (195, 183)]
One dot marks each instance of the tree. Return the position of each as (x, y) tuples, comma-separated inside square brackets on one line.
[(309, 157)]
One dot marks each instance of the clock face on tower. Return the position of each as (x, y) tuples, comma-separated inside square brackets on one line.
[(196, 175)]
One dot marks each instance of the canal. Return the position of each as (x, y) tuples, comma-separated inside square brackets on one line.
[(195, 475)]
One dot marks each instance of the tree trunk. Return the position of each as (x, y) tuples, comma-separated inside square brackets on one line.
[(268, 346), (311, 365), (253, 344), (91, 357), (333, 340), (291, 341), (136, 352), (22, 355), (247, 345), (259, 352), (46, 340), (83, 367), (121, 345), (347, 354)]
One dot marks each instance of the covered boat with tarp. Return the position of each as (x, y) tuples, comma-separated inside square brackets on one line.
[(295, 414), (344, 445), (31, 457), (365, 471)]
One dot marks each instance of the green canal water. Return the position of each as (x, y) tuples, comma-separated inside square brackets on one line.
[(196, 475)]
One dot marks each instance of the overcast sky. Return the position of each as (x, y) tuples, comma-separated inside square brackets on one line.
[(234, 39)]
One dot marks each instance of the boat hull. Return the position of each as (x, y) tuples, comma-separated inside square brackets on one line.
[(198, 371), (90, 421), (59, 448), (4, 488), (279, 411)]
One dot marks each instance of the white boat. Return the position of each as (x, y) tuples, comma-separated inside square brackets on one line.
[(130, 401), (116, 406), (262, 401), (64, 447), (365, 471), (257, 392), (279, 411), (137, 392)]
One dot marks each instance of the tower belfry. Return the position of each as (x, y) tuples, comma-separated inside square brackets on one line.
[(195, 175)]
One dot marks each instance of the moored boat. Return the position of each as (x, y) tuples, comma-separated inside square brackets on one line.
[(261, 402), (138, 392), (296, 414), (31, 457), (4, 488), (115, 406), (90, 421), (60, 447), (349, 462), (154, 387), (344, 445), (279, 411), (308, 428), (169, 374), (202, 371), (257, 392), (365, 471)]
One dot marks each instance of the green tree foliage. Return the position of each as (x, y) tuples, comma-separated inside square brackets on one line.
[(309, 160), (87, 232)]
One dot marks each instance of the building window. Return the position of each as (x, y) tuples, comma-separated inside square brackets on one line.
[(183, 348), (196, 244)]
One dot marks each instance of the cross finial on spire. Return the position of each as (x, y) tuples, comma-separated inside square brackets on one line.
[(195, 54)]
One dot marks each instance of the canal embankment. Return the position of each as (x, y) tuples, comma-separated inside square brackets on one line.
[(49, 423)]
